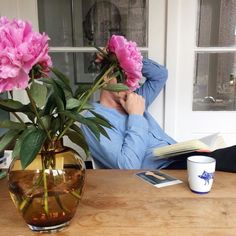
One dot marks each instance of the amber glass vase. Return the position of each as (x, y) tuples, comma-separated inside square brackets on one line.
[(49, 190)]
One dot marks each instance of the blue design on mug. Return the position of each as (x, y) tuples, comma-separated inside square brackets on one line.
[(206, 176)]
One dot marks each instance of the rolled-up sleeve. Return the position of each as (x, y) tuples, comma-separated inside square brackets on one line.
[(156, 76)]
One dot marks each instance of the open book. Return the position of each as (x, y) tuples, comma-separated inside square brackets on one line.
[(205, 144)]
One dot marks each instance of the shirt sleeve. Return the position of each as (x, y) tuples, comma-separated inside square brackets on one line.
[(156, 76), (124, 150)]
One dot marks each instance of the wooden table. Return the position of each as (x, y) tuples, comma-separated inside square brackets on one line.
[(116, 202)]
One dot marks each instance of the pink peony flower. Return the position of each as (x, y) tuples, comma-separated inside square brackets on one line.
[(20, 49), (129, 58)]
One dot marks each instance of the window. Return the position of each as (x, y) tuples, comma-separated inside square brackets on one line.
[(215, 56), (74, 26)]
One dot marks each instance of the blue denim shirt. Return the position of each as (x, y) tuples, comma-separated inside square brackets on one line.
[(134, 136)]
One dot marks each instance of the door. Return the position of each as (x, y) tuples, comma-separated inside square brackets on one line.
[(201, 52)]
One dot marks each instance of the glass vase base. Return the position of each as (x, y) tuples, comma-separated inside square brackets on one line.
[(49, 229)]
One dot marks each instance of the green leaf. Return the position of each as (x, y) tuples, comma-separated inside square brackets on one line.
[(75, 103), (8, 138), (77, 129), (11, 125), (63, 78), (63, 86), (31, 144), (78, 139), (99, 121), (78, 117), (109, 125), (46, 121), (55, 124), (94, 129), (11, 105), (82, 88), (31, 116), (72, 103), (121, 77), (49, 106), (116, 87), (59, 97), (26, 108), (103, 131), (16, 150), (46, 81), (75, 116), (39, 93)]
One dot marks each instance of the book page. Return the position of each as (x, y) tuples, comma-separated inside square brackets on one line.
[(205, 144), (215, 141), (181, 148), (210, 139)]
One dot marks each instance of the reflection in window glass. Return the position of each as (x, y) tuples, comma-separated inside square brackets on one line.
[(216, 23), (101, 19), (75, 66), (55, 19), (215, 82), (84, 23)]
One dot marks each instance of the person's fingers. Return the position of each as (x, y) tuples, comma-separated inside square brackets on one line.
[(99, 58), (122, 102)]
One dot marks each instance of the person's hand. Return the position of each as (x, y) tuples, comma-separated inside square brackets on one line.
[(100, 56), (134, 104)]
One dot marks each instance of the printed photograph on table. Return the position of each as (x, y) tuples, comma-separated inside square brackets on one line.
[(158, 178)]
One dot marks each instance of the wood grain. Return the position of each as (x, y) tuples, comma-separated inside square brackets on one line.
[(116, 202)]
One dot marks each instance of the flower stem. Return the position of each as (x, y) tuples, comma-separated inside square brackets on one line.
[(36, 113), (75, 194), (95, 87), (25, 202), (91, 91), (19, 119), (45, 192)]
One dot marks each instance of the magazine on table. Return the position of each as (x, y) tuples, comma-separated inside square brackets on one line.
[(158, 178), (205, 144)]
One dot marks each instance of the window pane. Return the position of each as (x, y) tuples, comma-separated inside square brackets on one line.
[(101, 19), (77, 66), (215, 82), (216, 23), (55, 20), (88, 22), (85, 23)]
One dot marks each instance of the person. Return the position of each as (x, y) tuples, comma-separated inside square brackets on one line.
[(135, 132)]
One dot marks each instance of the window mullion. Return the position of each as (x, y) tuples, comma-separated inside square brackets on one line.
[(215, 49)]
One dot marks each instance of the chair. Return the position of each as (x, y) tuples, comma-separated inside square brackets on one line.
[(96, 164)]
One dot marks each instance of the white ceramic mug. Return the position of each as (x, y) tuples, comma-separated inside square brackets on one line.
[(201, 171)]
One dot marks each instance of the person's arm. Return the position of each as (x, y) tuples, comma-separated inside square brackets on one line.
[(125, 149), (156, 76)]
